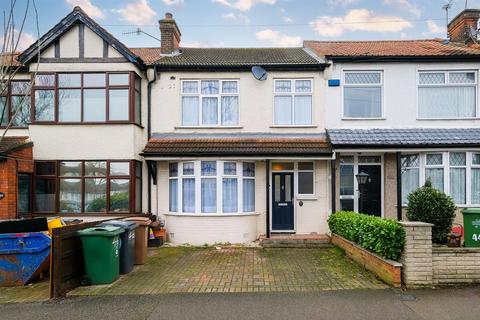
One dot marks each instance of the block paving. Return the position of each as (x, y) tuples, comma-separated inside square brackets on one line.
[(189, 269)]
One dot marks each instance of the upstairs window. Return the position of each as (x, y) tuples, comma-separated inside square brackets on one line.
[(447, 94), (96, 97), (293, 102), (362, 94), (209, 103), (15, 103)]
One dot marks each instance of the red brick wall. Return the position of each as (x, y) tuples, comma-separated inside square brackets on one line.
[(8, 180)]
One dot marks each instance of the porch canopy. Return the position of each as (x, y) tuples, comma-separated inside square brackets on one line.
[(404, 139), (162, 146)]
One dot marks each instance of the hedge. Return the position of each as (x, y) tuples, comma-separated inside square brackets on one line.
[(385, 237)]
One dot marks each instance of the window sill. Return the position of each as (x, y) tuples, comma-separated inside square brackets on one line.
[(440, 119), (83, 123), (200, 215), (208, 127), (294, 126), (360, 119), (306, 198)]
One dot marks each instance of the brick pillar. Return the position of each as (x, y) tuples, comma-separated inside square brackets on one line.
[(417, 255)]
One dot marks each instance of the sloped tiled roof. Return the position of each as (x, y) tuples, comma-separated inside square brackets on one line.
[(391, 48), (148, 55), (10, 144), (10, 59), (236, 144), (436, 137), (239, 57)]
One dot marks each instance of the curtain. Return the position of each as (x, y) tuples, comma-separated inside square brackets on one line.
[(363, 102), (410, 182), (190, 87), (283, 86), (303, 86), (475, 185), (69, 105), (445, 102), (248, 195), (190, 111), (229, 87), (210, 87), (303, 110), (458, 185), (209, 195), (209, 110), (283, 110), (230, 195), (229, 110), (173, 195), (436, 176), (346, 180), (188, 195)]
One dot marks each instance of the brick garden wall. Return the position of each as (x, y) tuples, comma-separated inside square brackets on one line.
[(455, 265), (9, 182)]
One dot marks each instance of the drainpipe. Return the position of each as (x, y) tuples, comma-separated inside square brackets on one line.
[(334, 189), (399, 186), (149, 135), (267, 183)]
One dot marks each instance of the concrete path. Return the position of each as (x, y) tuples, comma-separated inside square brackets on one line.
[(341, 304)]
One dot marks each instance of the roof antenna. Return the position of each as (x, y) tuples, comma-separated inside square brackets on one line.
[(139, 32), (447, 7)]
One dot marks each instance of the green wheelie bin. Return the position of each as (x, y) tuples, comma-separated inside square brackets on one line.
[(471, 224), (101, 252)]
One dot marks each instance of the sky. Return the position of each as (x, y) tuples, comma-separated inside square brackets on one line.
[(249, 23)]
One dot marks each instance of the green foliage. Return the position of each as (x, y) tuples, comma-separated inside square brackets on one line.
[(430, 205), (382, 236)]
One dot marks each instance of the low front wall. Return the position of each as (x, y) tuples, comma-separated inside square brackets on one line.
[(456, 265), (388, 270), (200, 230)]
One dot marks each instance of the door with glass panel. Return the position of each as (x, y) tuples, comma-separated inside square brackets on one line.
[(282, 201), (366, 198)]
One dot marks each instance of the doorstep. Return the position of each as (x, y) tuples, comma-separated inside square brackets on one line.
[(295, 241)]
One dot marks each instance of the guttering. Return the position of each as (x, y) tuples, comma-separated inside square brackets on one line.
[(360, 59), (245, 67), (184, 156)]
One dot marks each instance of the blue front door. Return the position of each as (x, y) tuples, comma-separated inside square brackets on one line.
[(282, 201)]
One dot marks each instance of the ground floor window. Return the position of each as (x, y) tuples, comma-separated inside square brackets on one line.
[(92, 186), (211, 186), (24, 205), (457, 173)]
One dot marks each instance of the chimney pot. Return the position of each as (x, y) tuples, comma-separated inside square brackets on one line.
[(168, 15)]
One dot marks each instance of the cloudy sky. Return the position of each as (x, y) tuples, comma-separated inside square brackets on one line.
[(240, 23)]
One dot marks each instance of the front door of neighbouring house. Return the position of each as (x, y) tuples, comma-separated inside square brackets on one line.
[(370, 201), (282, 201)]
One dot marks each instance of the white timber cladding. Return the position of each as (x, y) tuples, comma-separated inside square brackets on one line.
[(400, 97), (255, 102)]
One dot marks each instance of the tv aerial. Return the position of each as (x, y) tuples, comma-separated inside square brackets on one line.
[(259, 73)]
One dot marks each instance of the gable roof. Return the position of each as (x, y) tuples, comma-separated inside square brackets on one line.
[(388, 49), (397, 138), (237, 58), (78, 16)]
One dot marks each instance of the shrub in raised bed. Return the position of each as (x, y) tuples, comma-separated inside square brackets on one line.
[(385, 237), (427, 204)]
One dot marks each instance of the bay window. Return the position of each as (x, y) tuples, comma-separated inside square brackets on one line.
[(447, 94), (455, 173), (87, 97), (112, 186), (362, 94), (292, 102), (209, 102), (210, 186)]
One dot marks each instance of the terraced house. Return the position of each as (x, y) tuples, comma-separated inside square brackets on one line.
[(233, 144)]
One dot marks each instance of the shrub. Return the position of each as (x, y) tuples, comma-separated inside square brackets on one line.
[(382, 236), (428, 204)]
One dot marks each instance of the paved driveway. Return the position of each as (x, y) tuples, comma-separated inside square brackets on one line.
[(187, 269)]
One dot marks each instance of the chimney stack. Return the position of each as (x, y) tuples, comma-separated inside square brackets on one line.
[(459, 27), (170, 35)]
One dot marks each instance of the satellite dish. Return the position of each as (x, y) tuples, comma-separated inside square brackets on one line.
[(259, 73)]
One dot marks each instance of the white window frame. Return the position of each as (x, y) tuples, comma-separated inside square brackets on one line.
[(219, 181), (219, 96), (382, 92), (447, 83), (423, 174), (446, 173), (356, 190), (292, 94)]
